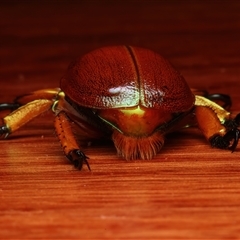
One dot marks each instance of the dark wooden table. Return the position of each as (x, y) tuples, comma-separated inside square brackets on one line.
[(188, 191)]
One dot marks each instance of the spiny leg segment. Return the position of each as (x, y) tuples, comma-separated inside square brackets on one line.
[(68, 141)]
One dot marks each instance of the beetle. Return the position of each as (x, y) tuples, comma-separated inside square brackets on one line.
[(129, 94)]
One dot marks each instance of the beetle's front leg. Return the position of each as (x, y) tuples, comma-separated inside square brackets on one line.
[(68, 141)]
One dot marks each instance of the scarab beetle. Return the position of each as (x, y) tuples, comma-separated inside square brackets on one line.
[(129, 94)]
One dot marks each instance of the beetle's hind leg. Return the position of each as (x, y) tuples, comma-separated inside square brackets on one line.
[(221, 99), (9, 106), (4, 130), (25, 108), (216, 124), (50, 94), (24, 114), (231, 138)]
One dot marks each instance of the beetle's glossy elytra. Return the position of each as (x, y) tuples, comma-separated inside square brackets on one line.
[(122, 76)]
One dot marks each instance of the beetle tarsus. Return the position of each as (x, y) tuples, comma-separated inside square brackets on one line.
[(233, 123), (4, 130), (218, 141), (231, 138), (234, 133), (9, 106), (235, 136), (78, 158)]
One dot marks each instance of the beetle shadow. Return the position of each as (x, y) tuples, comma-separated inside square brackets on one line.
[(185, 135), (21, 137), (96, 143)]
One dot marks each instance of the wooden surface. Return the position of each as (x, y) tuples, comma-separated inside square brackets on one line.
[(188, 191)]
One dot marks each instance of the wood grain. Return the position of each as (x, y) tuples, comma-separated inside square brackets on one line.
[(189, 191)]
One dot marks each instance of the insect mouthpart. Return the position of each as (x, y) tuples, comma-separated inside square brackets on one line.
[(132, 148)]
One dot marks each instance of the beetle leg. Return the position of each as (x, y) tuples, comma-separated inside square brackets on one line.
[(216, 124), (50, 94), (27, 107), (222, 99), (231, 138), (9, 106), (4, 130), (68, 141), (233, 123), (78, 158), (24, 114), (224, 142)]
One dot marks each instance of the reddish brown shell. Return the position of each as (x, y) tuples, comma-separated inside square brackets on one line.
[(125, 76)]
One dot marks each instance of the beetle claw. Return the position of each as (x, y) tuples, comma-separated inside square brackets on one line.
[(231, 138), (228, 141), (232, 135), (78, 158), (4, 130), (235, 136), (233, 123), (218, 141)]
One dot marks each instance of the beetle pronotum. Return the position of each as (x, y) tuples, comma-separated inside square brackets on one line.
[(129, 94)]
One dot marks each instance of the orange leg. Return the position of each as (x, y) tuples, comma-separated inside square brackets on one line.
[(24, 114), (50, 94), (216, 124), (38, 102), (221, 99), (70, 146), (31, 106)]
